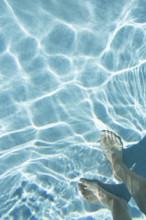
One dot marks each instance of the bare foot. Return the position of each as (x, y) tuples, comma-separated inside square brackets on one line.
[(94, 193), (111, 144), (88, 194)]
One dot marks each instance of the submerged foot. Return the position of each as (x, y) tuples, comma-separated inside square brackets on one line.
[(87, 194), (111, 144), (94, 193)]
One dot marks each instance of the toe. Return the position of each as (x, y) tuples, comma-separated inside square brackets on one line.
[(84, 181), (87, 194), (109, 138), (89, 184), (104, 137), (81, 186)]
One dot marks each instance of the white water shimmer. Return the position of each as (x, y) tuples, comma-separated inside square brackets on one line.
[(68, 69)]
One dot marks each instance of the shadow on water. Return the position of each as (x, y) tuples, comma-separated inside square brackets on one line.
[(135, 154)]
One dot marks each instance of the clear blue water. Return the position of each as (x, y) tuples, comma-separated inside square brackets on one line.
[(68, 69)]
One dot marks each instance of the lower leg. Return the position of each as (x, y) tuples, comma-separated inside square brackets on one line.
[(136, 184), (112, 146), (120, 210)]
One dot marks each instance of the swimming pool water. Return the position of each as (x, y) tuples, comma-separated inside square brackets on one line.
[(68, 69)]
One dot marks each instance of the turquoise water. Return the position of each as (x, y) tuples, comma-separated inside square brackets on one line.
[(68, 69)]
